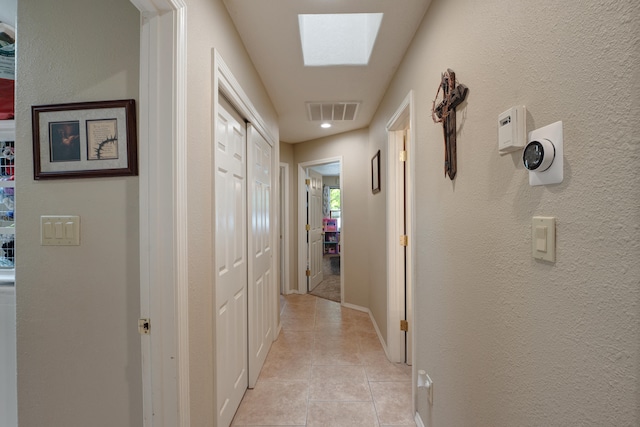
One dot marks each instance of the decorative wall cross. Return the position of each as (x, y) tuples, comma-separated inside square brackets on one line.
[(445, 113)]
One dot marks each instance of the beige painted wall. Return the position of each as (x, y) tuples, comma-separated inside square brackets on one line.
[(209, 26), (509, 340), (352, 147), (376, 222), (77, 306)]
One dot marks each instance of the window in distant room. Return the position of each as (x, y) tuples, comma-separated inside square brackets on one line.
[(334, 204)]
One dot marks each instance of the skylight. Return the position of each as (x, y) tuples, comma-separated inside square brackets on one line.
[(338, 39)]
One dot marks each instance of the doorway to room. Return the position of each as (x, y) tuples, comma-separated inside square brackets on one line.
[(329, 286), (320, 215)]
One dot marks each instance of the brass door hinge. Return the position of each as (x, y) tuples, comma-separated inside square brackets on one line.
[(307, 181), (307, 227), (404, 240), (404, 325), (403, 156), (308, 273), (144, 326)]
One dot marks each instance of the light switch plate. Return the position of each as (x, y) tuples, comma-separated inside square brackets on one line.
[(543, 238), (60, 230)]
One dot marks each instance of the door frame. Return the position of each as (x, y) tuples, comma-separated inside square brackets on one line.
[(285, 263), (302, 220), (404, 117), (163, 212)]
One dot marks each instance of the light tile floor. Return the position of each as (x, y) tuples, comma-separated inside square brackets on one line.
[(327, 368)]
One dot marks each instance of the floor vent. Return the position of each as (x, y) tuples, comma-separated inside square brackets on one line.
[(332, 111)]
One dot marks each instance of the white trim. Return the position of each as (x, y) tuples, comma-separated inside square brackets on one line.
[(302, 242), (284, 193), (404, 117), (357, 308), (163, 214), (418, 420), (302, 210), (225, 82)]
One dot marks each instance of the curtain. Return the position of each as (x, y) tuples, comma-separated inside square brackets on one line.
[(326, 191)]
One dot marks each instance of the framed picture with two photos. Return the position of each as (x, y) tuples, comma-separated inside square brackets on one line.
[(84, 140)]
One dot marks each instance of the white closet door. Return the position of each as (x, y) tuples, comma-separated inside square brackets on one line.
[(262, 290), (230, 275)]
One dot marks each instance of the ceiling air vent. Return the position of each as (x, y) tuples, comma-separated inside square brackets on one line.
[(332, 111)]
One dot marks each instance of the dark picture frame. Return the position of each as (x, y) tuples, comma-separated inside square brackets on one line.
[(375, 173), (85, 139)]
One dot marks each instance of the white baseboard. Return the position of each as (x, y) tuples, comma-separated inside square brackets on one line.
[(375, 325), (356, 307), (418, 420)]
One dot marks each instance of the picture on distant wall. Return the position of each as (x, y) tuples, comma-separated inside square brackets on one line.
[(64, 141), (375, 173), (85, 139)]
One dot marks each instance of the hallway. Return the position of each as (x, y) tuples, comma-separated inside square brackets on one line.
[(327, 367)]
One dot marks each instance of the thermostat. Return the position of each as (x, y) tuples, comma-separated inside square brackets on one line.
[(512, 129), (543, 155)]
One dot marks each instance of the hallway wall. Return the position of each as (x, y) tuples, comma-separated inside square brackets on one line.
[(79, 360), (209, 26), (352, 146), (509, 340)]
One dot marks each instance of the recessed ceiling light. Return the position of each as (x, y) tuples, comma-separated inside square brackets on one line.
[(325, 125), (338, 39)]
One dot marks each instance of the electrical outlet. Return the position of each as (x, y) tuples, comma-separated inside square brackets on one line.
[(424, 381)]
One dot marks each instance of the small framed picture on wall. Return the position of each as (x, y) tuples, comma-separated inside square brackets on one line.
[(84, 140), (375, 173)]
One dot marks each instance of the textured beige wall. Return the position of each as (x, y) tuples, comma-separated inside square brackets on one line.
[(352, 146), (209, 26), (77, 307), (509, 340)]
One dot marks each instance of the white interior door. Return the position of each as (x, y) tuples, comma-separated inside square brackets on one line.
[(401, 222), (407, 276), (231, 347), (262, 292), (316, 238)]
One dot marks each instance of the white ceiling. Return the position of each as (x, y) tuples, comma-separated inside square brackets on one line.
[(269, 30), (328, 169)]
